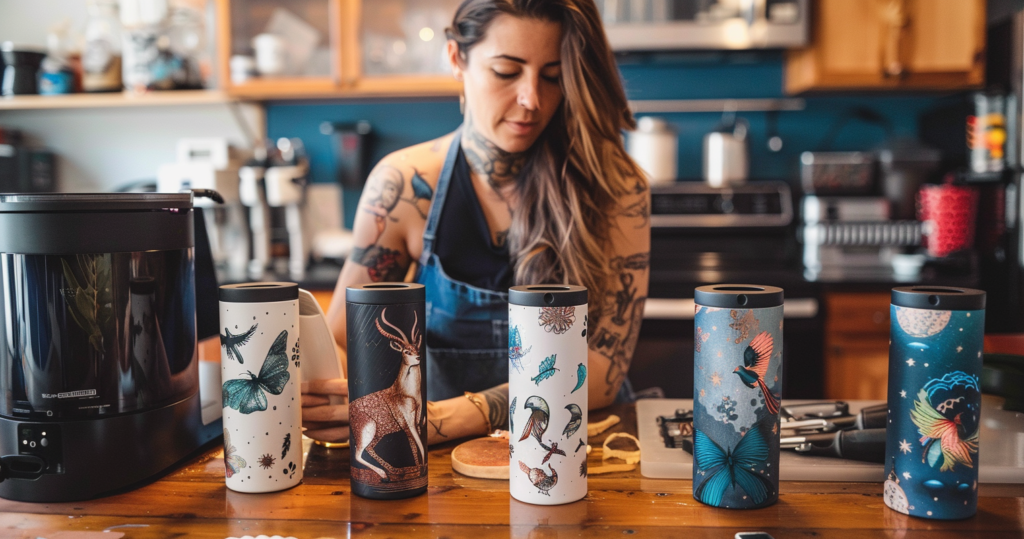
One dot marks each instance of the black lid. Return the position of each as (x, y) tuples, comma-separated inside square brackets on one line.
[(547, 295), (86, 202), (939, 298), (259, 292), (738, 296), (385, 293)]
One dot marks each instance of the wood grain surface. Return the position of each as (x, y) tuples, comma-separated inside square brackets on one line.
[(193, 501)]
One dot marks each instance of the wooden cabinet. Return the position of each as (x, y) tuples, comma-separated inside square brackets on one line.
[(348, 48), (856, 345), (891, 44)]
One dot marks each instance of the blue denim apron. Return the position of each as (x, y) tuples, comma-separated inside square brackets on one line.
[(467, 326)]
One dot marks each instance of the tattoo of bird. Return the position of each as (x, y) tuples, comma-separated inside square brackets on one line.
[(232, 342), (755, 367), (540, 478)]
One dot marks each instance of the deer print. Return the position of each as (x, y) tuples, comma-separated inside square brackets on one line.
[(392, 409)]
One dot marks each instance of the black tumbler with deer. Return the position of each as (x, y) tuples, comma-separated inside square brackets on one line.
[(387, 388)]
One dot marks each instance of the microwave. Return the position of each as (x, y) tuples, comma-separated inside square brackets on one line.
[(652, 25)]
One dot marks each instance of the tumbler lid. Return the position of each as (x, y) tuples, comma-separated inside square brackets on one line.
[(939, 298), (738, 296), (385, 293), (547, 295), (259, 292)]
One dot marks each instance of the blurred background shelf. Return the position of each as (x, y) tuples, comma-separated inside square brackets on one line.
[(116, 100)]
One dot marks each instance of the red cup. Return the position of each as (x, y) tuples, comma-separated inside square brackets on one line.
[(949, 213)]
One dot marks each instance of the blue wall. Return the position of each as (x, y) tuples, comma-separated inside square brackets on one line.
[(713, 75)]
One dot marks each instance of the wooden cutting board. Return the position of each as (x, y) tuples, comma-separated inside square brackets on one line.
[(486, 458)]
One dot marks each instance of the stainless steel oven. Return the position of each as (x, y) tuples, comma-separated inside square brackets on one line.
[(702, 235)]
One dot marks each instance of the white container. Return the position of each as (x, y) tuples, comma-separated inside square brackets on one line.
[(547, 384), (654, 146), (261, 386), (320, 359), (271, 54), (725, 156)]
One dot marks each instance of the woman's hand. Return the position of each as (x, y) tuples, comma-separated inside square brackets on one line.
[(322, 420)]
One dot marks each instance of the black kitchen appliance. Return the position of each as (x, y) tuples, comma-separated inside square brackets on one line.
[(99, 375), (704, 235)]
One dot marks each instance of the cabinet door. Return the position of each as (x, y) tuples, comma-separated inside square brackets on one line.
[(891, 44), (856, 345), (305, 32), (398, 46), (946, 40)]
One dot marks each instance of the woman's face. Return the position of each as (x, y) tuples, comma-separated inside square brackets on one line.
[(512, 80)]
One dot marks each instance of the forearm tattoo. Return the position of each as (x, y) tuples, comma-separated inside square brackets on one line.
[(619, 318), (497, 406)]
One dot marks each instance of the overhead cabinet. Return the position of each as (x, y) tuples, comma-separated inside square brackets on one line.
[(891, 44), (337, 48)]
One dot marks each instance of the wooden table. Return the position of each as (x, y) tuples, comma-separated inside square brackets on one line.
[(193, 501)]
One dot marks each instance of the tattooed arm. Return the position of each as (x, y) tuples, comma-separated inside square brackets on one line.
[(388, 237), (618, 312), (458, 417), (388, 227)]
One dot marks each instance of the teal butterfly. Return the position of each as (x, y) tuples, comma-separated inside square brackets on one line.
[(733, 468), (247, 396)]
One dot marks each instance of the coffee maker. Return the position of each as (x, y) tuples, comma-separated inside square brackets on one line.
[(99, 374)]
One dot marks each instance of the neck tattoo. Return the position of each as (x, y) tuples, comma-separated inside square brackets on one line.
[(498, 167)]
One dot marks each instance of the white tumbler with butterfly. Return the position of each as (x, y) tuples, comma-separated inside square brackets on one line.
[(547, 391), (261, 386)]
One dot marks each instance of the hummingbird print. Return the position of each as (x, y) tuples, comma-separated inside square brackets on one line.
[(755, 367), (553, 450), (232, 342)]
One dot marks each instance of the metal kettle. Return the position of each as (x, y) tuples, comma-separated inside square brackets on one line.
[(725, 154)]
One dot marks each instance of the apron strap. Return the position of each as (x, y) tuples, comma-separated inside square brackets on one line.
[(440, 192)]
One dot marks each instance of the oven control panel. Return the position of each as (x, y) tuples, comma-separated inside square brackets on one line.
[(695, 204)]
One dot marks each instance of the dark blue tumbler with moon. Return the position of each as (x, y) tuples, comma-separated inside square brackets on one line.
[(737, 384), (931, 450)]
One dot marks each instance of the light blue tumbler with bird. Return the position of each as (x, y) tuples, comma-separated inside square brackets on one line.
[(547, 389), (737, 386)]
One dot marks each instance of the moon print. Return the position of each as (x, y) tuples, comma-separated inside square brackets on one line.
[(922, 322), (894, 497)]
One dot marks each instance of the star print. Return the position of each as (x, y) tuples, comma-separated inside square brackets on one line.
[(714, 328), (910, 362), (702, 393), (903, 393), (719, 353), (925, 364), (905, 447), (716, 379), (906, 475), (968, 315), (979, 354), (959, 349)]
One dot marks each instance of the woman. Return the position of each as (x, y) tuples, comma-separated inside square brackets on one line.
[(534, 187)]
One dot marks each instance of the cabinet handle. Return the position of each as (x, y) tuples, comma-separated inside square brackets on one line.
[(895, 19)]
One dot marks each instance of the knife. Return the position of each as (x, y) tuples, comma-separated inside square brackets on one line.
[(866, 445)]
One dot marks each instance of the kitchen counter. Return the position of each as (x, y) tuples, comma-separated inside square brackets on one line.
[(192, 500)]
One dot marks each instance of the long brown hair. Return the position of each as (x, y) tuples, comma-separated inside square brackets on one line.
[(578, 169)]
